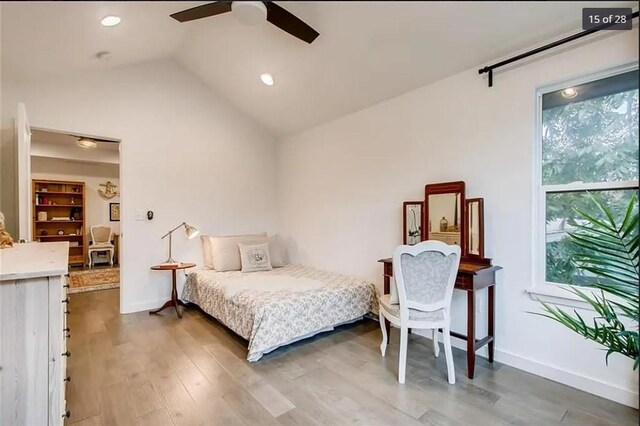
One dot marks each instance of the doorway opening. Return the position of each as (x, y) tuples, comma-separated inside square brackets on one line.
[(75, 196)]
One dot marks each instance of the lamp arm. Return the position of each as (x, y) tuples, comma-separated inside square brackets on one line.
[(170, 232)]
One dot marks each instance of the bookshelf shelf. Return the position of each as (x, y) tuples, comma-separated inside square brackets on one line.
[(60, 199)]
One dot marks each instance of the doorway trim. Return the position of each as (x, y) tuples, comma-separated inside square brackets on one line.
[(121, 258)]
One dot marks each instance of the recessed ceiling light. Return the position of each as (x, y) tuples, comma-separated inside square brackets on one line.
[(110, 21), (86, 143), (570, 92), (267, 79)]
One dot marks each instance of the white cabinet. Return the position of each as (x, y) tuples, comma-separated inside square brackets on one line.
[(33, 353)]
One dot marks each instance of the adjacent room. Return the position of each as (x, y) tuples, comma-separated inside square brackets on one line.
[(76, 199), (372, 213)]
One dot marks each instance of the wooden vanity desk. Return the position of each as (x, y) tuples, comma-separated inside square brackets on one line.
[(471, 278)]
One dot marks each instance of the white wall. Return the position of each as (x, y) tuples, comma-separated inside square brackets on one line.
[(185, 155), (96, 207), (342, 184)]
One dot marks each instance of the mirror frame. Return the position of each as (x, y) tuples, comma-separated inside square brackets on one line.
[(467, 210), (446, 188), (404, 219)]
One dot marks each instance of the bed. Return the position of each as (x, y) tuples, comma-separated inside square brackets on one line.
[(278, 307)]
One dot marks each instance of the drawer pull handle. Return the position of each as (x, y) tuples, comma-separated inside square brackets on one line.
[(67, 354), (68, 379), (67, 414), (68, 335), (66, 300), (67, 312), (66, 286), (66, 329)]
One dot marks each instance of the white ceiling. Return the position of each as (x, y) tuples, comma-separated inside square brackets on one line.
[(367, 51), (41, 38)]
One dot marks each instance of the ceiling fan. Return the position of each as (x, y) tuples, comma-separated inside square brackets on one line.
[(252, 13)]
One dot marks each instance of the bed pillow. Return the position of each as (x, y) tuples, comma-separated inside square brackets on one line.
[(225, 253), (255, 257), (276, 249), (206, 252)]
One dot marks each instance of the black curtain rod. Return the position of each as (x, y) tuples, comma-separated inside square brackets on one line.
[(489, 69)]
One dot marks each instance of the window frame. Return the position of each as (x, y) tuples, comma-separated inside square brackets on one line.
[(540, 288)]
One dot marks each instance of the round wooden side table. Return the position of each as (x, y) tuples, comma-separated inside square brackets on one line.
[(174, 291)]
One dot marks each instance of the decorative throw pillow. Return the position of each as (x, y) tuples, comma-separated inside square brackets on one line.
[(224, 251), (255, 257), (276, 250)]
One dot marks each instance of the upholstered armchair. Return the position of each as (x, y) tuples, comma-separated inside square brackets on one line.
[(100, 242)]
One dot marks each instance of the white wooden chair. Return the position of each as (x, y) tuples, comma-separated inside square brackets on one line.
[(101, 236), (425, 274)]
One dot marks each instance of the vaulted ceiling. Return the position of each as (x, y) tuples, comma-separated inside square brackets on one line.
[(367, 51)]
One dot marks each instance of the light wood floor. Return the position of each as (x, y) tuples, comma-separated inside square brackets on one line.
[(159, 370)]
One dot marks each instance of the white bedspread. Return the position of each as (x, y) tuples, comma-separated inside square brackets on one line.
[(268, 283), (273, 308)]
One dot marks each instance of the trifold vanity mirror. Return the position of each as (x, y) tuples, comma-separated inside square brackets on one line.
[(449, 217)]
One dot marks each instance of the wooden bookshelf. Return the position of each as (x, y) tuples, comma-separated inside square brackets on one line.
[(61, 199)]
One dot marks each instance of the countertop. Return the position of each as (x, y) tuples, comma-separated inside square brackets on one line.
[(33, 260)]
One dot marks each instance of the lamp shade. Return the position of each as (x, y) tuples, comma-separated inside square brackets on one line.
[(191, 231)]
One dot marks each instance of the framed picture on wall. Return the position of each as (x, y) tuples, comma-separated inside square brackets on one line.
[(412, 222), (114, 212)]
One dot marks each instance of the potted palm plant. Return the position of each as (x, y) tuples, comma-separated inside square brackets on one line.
[(606, 249)]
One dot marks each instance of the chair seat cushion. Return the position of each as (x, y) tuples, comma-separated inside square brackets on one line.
[(100, 246), (414, 314)]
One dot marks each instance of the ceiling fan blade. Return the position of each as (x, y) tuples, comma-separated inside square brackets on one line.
[(288, 22), (203, 11)]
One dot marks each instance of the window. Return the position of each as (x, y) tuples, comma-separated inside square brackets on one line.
[(588, 136)]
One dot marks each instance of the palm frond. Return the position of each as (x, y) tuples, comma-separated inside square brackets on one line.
[(606, 249)]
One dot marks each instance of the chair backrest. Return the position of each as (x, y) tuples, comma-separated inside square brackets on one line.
[(425, 274), (101, 234)]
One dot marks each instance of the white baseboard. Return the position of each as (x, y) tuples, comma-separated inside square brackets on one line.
[(575, 380), (142, 306)]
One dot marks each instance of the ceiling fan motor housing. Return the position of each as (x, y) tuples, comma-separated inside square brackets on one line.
[(249, 13)]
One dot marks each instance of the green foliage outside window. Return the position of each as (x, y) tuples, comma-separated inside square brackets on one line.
[(595, 140)]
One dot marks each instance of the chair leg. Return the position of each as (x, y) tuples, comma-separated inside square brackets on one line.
[(436, 347), (404, 334), (111, 257), (448, 355), (90, 260), (383, 345)]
